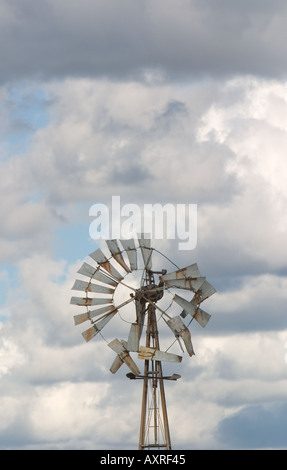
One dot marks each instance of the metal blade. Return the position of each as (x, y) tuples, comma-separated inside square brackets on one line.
[(101, 259), (190, 308), (153, 354), (117, 255), (88, 301), (118, 362), (80, 318), (96, 328), (188, 283), (123, 353), (178, 327), (206, 290), (90, 287), (190, 271), (88, 270), (134, 338), (146, 250), (129, 247), (202, 317)]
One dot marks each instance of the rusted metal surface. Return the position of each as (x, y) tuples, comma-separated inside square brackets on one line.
[(96, 328), (118, 362), (103, 261), (117, 255), (88, 301), (201, 317), (130, 249), (134, 337), (123, 353), (187, 283), (91, 272), (153, 354), (90, 287), (146, 250), (178, 327), (205, 291), (82, 317), (190, 271), (190, 308)]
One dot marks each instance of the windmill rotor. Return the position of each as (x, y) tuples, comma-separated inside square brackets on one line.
[(104, 276)]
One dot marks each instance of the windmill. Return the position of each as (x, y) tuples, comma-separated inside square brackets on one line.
[(146, 294)]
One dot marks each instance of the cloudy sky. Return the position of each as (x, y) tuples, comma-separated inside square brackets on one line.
[(155, 101)]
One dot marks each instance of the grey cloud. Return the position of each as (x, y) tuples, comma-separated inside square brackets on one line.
[(55, 39), (255, 427)]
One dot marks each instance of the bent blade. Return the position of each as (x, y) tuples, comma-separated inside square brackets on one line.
[(123, 353), (179, 329), (187, 283), (202, 317), (90, 287), (116, 254), (190, 271), (153, 354), (190, 308), (206, 290), (101, 259), (129, 247)]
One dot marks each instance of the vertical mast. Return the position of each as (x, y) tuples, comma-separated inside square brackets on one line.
[(154, 415)]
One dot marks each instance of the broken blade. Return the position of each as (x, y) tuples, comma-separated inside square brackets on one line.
[(123, 353), (153, 354), (206, 290), (190, 308), (187, 283), (179, 329), (190, 271)]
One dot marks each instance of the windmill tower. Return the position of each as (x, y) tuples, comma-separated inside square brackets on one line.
[(105, 276)]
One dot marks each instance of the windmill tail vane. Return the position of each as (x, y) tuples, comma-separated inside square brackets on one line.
[(103, 275)]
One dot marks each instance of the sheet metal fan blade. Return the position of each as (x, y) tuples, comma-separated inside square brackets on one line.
[(130, 249), (118, 346), (116, 254), (206, 290), (90, 287), (189, 308), (97, 327), (86, 301), (134, 338), (191, 271), (153, 354), (82, 317), (94, 273), (180, 330), (103, 261), (146, 250), (187, 283)]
